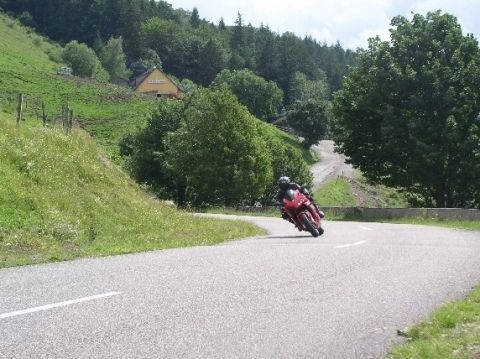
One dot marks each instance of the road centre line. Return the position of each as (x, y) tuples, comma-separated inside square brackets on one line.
[(352, 244), (57, 305), (366, 228)]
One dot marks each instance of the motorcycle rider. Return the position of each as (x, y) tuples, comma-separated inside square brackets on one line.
[(284, 183)]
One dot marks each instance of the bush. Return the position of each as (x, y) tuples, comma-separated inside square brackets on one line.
[(145, 152), (101, 74), (310, 119), (113, 58), (263, 98), (80, 58), (26, 19), (218, 151)]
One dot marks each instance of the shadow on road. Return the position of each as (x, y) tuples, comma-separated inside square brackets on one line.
[(292, 237)]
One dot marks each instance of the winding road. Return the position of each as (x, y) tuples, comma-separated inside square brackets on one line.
[(331, 164), (284, 295)]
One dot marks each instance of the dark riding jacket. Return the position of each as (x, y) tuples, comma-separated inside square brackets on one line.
[(292, 185)]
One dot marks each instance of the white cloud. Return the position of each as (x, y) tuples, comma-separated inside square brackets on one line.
[(351, 22)]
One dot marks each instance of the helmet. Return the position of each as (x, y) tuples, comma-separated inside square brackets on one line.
[(283, 182)]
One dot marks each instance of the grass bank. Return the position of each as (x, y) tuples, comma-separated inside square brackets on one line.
[(28, 64), (61, 197), (351, 192), (453, 331)]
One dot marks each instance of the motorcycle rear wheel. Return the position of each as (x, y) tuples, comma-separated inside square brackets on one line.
[(309, 225)]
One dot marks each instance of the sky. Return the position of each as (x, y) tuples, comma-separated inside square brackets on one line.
[(351, 22)]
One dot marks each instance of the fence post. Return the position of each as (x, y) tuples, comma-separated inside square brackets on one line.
[(44, 117), (19, 108), (70, 122)]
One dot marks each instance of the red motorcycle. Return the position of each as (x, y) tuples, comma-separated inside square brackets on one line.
[(302, 212)]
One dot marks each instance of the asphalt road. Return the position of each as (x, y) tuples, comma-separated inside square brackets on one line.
[(286, 295), (331, 164)]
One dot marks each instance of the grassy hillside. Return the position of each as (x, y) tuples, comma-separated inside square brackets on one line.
[(26, 65), (350, 192), (61, 197)]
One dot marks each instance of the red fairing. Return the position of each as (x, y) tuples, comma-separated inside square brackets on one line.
[(300, 204)]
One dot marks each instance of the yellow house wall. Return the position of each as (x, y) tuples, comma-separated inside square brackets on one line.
[(147, 86)]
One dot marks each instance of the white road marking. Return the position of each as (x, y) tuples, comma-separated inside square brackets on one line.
[(366, 228), (56, 305), (352, 244)]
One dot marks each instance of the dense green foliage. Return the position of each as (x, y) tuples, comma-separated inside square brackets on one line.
[(107, 111), (218, 151), (113, 58), (408, 114), (302, 89), (188, 46), (310, 119), (60, 198), (80, 58), (262, 98), (208, 149)]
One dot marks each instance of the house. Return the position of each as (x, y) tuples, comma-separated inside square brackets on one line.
[(156, 83)]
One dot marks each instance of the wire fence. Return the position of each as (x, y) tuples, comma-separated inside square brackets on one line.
[(34, 107)]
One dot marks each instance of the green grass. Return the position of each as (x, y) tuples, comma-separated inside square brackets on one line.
[(351, 192), (61, 198), (452, 331), (336, 192), (272, 212), (107, 111), (288, 140)]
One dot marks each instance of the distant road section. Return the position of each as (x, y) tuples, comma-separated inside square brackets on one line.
[(331, 164)]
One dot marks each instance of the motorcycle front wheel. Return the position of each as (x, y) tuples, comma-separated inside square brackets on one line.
[(307, 222)]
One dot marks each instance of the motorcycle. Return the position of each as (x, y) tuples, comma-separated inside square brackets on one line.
[(302, 212)]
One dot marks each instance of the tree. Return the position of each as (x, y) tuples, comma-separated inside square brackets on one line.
[(80, 58), (302, 89), (145, 153), (26, 19), (408, 113), (221, 25), (212, 60), (218, 151), (238, 36), (195, 18), (113, 58), (263, 98), (310, 119), (188, 86)]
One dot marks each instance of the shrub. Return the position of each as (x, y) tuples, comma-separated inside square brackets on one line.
[(263, 98), (26, 19), (80, 58), (218, 151)]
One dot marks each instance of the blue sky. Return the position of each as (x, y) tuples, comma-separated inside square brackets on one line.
[(351, 22)]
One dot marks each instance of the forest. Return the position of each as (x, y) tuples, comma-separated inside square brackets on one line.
[(187, 45)]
